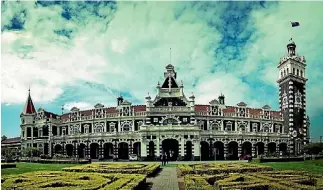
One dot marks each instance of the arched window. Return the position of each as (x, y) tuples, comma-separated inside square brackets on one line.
[(281, 74), (287, 71), (126, 127), (293, 71), (170, 121), (297, 72), (301, 73), (215, 127), (284, 72)]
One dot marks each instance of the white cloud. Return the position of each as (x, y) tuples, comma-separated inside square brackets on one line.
[(81, 105)]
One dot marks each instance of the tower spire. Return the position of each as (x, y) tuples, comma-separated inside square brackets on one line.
[(170, 55), (29, 107)]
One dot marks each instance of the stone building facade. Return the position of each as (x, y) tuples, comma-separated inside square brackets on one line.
[(173, 123)]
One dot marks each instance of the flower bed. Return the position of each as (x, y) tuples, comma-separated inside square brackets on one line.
[(212, 169), (68, 180), (287, 180), (8, 165), (147, 169)]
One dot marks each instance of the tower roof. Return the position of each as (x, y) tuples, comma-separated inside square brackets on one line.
[(29, 105)]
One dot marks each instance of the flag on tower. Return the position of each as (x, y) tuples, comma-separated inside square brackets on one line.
[(294, 24)]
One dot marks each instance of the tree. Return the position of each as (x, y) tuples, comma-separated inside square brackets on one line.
[(30, 151), (7, 153), (3, 138), (313, 148)]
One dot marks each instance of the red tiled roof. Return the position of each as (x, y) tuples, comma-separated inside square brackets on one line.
[(29, 106), (11, 140), (111, 110), (229, 109), (254, 111), (139, 108), (65, 116), (86, 112), (201, 108)]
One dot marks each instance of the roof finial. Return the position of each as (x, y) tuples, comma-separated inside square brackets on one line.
[(29, 89), (170, 55)]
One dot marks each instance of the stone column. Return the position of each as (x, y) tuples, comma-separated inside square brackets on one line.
[(277, 150), (87, 151), (197, 150), (182, 147), (253, 149), (239, 149), (74, 148), (63, 146), (100, 149), (115, 148), (130, 147), (225, 150), (143, 149), (266, 148), (210, 149)]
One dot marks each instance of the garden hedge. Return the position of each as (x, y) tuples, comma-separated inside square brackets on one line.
[(68, 180), (147, 169)]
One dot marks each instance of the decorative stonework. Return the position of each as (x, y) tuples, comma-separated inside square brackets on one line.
[(285, 101), (126, 126)]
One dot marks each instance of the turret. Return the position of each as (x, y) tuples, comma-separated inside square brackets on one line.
[(119, 100)]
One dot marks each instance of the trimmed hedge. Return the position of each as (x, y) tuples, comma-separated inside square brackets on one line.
[(8, 165), (211, 169), (67, 180), (284, 180), (147, 169), (54, 161)]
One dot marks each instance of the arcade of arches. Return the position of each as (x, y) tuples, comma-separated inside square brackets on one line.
[(187, 151)]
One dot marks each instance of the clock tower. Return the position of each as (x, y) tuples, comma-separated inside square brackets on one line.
[(292, 97)]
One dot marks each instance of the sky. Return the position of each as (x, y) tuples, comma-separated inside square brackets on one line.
[(83, 53)]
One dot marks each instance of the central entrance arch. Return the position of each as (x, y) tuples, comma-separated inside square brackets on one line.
[(170, 146)]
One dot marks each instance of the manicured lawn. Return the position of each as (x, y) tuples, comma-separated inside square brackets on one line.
[(29, 167), (312, 166)]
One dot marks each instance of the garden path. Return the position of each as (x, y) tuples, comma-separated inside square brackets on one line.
[(165, 180)]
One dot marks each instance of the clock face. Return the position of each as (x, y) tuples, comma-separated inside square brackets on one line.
[(215, 110)]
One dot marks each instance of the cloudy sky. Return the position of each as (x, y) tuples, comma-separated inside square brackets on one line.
[(77, 53)]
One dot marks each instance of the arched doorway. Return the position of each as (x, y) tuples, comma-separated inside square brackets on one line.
[(108, 150), (204, 150), (123, 151), (233, 151), (81, 150), (136, 148), (189, 152), (246, 148), (260, 148), (271, 148), (283, 148), (170, 146), (94, 150), (219, 150), (58, 149), (69, 150), (151, 151)]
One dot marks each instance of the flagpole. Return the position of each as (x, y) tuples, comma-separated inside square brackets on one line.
[(290, 31)]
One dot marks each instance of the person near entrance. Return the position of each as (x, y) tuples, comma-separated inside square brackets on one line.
[(164, 160)]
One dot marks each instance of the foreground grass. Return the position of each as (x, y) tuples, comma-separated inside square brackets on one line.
[(29, 167), (312, 166)]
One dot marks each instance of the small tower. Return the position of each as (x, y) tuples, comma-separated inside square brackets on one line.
[(27, 117), (292, 97), (221, 99), (119, 100)]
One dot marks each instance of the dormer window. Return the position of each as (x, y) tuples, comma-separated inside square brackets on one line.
[(254, 127), (228, 126), (112, 127)]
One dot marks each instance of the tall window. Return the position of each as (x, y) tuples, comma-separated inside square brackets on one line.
[(297, 72), (287, 71), (301, 73), (293, 71)]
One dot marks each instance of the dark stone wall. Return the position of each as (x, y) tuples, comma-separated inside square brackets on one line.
[(284, 87)]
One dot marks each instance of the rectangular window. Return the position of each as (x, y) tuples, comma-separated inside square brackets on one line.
[(155, 119)]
